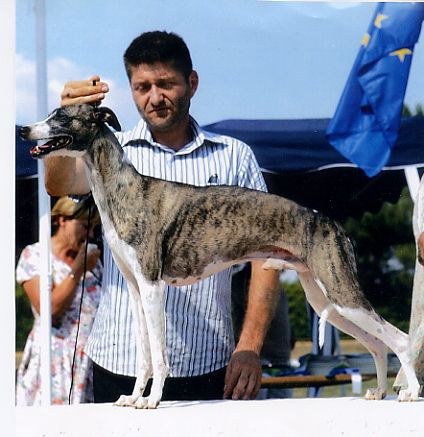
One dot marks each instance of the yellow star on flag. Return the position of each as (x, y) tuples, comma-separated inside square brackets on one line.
[(366, 40), (378, 19), (401, 53)]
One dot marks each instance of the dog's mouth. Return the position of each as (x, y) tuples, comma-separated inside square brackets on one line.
[(56, 143)]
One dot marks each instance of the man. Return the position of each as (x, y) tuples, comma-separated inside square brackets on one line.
[(167, 143)]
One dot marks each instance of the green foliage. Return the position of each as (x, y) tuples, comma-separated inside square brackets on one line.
[(406, 111), (24, 317), (419, 110), (385, 250), (299, 320)]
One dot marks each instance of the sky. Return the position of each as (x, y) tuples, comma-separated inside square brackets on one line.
[(255, 59)]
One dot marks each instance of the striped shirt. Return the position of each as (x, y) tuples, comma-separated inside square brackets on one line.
[(198, 317)]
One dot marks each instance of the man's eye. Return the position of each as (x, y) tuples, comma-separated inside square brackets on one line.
[(166, 85), (141, 88)]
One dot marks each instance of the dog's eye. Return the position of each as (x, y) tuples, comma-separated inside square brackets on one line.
[(61, 118)]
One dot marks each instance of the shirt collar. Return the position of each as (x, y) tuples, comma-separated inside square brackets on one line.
[(200, 137)]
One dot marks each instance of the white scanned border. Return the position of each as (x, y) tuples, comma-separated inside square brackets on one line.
[(7, 223)]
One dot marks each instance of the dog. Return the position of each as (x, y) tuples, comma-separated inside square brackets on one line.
[(164, 232)]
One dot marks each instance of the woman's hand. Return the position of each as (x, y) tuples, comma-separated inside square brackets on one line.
[(93, 254)]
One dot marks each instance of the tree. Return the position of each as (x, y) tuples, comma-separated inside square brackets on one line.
[(385, 248), (298, 316)]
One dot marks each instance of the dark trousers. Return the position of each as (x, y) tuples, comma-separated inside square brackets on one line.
[(109, 386)]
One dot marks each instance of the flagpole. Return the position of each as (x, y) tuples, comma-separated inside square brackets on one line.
[(44, 213)]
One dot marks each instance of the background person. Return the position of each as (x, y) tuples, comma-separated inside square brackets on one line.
[(168, 144), (70, 232)]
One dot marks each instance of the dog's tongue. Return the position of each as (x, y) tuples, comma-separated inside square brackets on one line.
[(40, 149)]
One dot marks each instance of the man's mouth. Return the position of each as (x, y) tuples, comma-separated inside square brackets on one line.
[(163, 110), (52, 145)]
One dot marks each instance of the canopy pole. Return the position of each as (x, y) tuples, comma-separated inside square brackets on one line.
[(413, 180), (44, 213)]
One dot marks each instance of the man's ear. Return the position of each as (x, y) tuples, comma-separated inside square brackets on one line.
[(193, 81), (107, 116)]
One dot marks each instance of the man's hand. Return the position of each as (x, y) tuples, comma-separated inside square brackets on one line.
[(83, 91), (244, 372), (243, 376)]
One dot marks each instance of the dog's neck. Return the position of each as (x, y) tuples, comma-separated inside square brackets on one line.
[(104, 155), (114, 182)]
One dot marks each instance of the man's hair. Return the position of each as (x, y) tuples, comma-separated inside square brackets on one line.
[(158, 46)]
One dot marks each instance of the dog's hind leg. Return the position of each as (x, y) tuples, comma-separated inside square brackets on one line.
[(394, 338), (318, 300), (375, 346)]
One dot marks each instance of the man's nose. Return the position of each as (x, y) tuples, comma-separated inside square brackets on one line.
[(156, 96)]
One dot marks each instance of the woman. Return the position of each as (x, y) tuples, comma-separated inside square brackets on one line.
[(72, 224)]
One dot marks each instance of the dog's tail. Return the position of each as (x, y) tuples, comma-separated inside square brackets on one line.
[(333, 262), (321, 325)]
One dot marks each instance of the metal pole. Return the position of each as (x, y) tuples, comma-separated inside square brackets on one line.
[(44, 213), (413, 180)]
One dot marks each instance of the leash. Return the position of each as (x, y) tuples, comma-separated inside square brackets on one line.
[(95, 104), (80, 304)]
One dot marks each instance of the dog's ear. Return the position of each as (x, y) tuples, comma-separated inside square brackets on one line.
[(108, 116)]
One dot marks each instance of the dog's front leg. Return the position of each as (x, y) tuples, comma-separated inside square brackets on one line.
[(144, 362), (153, 301)]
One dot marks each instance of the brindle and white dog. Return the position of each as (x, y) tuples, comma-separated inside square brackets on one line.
[(169, 233)]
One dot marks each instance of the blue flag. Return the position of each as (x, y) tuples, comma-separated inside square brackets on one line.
[(366, 123)]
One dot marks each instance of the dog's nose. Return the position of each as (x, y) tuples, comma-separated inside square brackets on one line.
[(24, 132)]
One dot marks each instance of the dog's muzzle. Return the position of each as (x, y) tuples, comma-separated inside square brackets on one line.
[(40, 150)]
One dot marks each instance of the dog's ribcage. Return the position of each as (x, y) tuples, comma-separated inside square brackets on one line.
[(182, 233)]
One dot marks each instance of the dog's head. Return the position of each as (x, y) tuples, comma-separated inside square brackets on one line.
[(69, 130)]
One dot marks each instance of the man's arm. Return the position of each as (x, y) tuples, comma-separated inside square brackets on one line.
[(244, 372), (65, 175)]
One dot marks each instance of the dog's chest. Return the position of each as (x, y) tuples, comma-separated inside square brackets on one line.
[(124, 254)]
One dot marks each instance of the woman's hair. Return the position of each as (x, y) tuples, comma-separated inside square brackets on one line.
[(79, 209)]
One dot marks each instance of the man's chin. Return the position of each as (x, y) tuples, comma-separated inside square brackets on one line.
[(161, 124)]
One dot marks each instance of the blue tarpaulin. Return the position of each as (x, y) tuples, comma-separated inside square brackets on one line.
[(301, 145)]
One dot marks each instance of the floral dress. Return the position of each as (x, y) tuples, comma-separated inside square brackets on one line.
[(64, 331)]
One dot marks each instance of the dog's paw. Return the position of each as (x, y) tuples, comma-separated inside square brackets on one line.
[(139, 402), (375, 394), (126, 401), (146, 403), (408, 395)]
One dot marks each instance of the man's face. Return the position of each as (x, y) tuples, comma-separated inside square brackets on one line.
[(162, 95)]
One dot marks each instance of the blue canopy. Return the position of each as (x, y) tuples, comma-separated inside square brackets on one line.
[(300, 145), (25, 165), (300, 164)]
